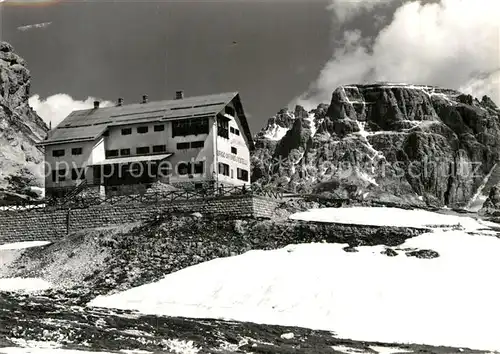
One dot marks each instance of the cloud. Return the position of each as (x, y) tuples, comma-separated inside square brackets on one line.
[(484, 84), (346, 10), (57, 107), (453, 44), (34, 26)]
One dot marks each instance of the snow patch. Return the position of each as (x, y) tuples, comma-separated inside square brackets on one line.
[(34, 344), (180, 346), (16, 350), (381, 216), (38, 190), (365, 177), (347, 350), (312, 124), (23, 284), (22, 245), (477, 200), (287, 335), (389, 350), (275, 132), (365, 134)]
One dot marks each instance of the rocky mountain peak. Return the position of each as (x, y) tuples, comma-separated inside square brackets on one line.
[(487, 102), (279, 124), (20, 129), (420, 144)]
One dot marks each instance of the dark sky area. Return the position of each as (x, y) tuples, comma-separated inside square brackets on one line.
[(269, 51)]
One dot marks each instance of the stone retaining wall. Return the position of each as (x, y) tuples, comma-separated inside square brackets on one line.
[(50, 224)]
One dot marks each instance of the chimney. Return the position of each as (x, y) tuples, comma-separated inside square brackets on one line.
[(120, 102), (144, 98), (96, 104), (179, 95)]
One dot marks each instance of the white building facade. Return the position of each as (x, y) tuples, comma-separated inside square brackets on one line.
[(189, 142)]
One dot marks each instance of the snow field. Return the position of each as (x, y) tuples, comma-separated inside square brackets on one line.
[(450, 300)]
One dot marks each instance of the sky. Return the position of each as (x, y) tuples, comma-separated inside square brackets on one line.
[(276, 53)]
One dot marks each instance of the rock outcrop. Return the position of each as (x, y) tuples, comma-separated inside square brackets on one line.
[(417, 145), (21, 162), (491, 206)]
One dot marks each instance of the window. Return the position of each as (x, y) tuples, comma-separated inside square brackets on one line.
[(234, 150), (77, 173), (183, 169), (179, 128), (230, 111), (222, 126), (191, 126), (223, 169), (232, 173), (126, 131), (142, 150), (199, 125), (234, 131), (242, 174), (182, 146), (135, 169), (142, 130), (197, 144), (199, 167), (76, 151), (192, 145), (107, 169), (164, 169), (159, 128), (97, 174), (111, 153), (58, 153), (125, 152), (59, 176), (159, 148)]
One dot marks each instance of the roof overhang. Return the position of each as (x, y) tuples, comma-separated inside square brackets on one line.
[(131, 159), (64, 135), (67, 141)]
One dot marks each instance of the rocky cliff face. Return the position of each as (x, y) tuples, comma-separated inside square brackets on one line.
[(20, 128), (391, 142)]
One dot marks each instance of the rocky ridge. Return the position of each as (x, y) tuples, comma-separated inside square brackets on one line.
[(20, 129), (409, 144)]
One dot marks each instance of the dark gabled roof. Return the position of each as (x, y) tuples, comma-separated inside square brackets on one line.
[(70, 135), (243, 120), (89, 124)]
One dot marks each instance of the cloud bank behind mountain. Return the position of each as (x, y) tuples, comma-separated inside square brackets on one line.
[(452, 43)]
